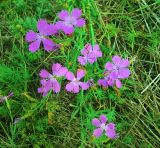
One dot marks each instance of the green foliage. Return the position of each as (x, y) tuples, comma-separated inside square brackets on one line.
[(126, 28)]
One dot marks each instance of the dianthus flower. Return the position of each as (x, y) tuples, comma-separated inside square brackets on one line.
[(49, 81), (69, 20), (101, 127), (75, 84), (35, 39), (115, 71)]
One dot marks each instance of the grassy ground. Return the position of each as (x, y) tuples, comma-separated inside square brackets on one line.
[(130, 28)]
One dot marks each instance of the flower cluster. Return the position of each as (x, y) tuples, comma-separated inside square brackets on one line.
[(69, 21), (101, 127), (50, 81), (114, 72)]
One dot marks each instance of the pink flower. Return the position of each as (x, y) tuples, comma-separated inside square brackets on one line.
[(101, 126), (35, 39), (75, 84), (49, 81), (118, 68), (69, 20), (115, 72), (90, 54)]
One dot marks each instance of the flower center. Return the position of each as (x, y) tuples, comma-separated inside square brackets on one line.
[(116, 67), (40, 37), (70, 20), (76, 81), (106, 78), (103, 126), (52, 77)]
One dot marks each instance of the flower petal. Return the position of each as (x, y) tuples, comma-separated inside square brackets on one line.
[(118, 83), (96, 47), (103, 82), (63, 14), (76, 13), (110, 130), (46, 86), (109, 66), (124, 63), (71, 87), (48, 44), (59, 25), (31, 36), (44, 73), (40, 90), (34, 46), (97, 132), (91, 58), (116, 60), (87, 49), (56, 86), (80, 22), (76, 89), (84, 85), (70, 76), (96, 122), (103, 119), (43, 81), (97, 54), (123, 73), (111, 126), (110, 82), (61, 72), (53, 29), (68, 29), (80, 74), (114, 75), (111, 133), (82, 60), (43, 27), (55, 68)]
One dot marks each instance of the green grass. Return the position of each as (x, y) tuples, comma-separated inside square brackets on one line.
[(130, 28)]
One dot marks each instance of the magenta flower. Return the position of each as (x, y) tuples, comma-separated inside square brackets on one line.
[(69, 20), (90, 54), (49, 81), (118, 68), (35, 39), (75, 84), (102, 126), (115, 72)]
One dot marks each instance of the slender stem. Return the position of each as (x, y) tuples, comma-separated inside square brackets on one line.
[(90, 22)]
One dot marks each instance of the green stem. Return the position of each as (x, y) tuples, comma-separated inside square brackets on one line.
[(91, 25)]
